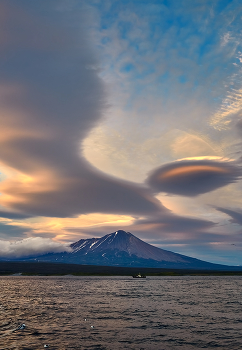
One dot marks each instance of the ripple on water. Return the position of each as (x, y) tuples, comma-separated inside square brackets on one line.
[(119, 313)]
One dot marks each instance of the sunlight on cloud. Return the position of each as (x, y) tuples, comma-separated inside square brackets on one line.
[(199, 169), (17, 185), (67, 229), (131, 154), (185, 206), (231, 105), (188, 145), (207, 158), (193, 177)]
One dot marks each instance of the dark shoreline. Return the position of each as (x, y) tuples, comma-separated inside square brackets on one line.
[(58, 269)]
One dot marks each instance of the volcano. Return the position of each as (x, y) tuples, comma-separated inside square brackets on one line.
[(122, 248)]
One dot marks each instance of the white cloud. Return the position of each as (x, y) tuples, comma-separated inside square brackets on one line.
[(231, 107), (225, 39), (30, 247)]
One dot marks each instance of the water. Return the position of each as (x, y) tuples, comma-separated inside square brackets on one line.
[(153, 313)]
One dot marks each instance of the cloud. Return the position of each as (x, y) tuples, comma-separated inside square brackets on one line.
[(9, 230), (235, 215), (181, 66), (162, 227), (238, 125), (174, 223), (13, 215), (50, 100), (193, 177), (30, 247)]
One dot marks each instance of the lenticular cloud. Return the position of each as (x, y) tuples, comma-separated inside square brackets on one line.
[(193, 177), (49, 102), (30, 247)]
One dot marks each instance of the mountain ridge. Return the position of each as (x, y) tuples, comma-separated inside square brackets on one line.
[(126, 241), (123, 249)]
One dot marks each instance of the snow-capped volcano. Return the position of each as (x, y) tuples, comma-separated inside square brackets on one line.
[(122, 248), (124, 242)]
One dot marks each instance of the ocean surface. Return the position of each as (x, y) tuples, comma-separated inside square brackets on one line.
[(121, 313)]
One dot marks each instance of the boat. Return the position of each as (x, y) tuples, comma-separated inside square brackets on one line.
[(21, 326), (139, 276)]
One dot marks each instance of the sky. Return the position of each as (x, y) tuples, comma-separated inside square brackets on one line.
[(122, 114)]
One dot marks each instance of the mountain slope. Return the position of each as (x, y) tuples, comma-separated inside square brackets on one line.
[(125, 242), (121, 248)]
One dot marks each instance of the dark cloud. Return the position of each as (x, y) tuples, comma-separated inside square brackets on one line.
[(235, 215), (12, 231), (49, 101), (90, 193), (13, 215), (175, 223), (193, 177)]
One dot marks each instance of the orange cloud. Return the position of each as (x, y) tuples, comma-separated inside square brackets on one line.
[(193, 169)]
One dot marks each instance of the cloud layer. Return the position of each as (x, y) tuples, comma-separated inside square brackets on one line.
[(234, 214), (30, 247), (51, 97), (193, 177)]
